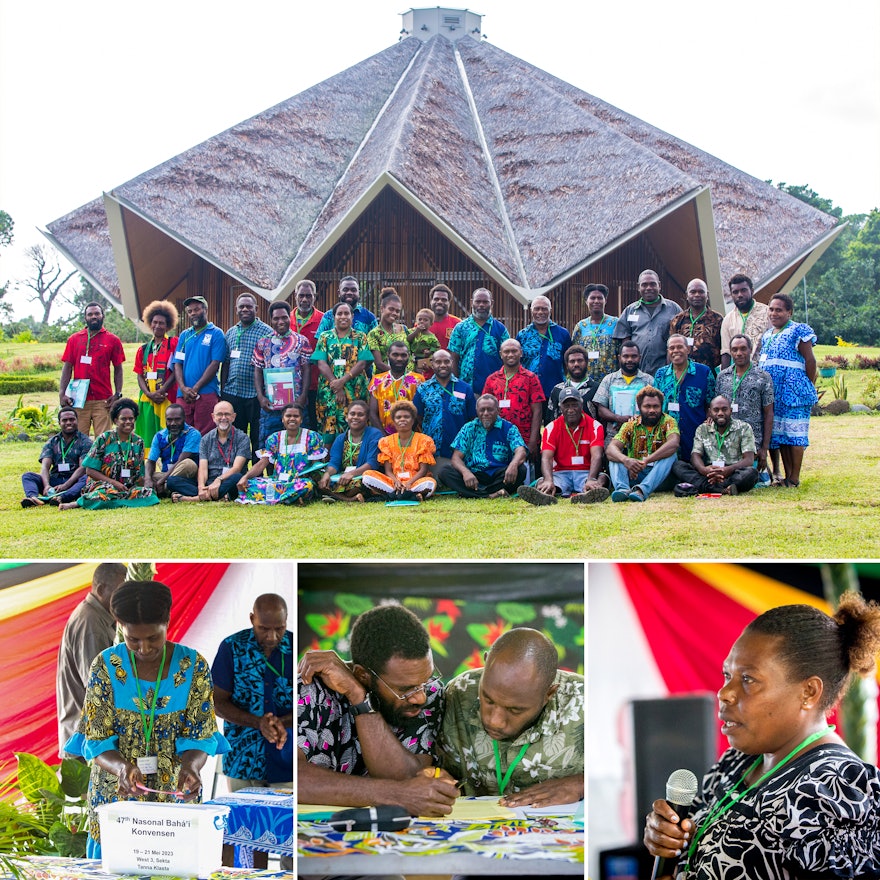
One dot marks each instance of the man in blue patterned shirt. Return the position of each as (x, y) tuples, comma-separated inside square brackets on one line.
[(475, 343), (544, 344), (488, 459)]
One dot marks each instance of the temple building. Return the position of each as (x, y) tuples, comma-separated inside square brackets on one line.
[(441, 158)]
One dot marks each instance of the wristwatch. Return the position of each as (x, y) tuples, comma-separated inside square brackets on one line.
[(365, 708)]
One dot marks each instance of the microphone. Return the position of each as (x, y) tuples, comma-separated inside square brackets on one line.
[(681, 789), (380, 818)]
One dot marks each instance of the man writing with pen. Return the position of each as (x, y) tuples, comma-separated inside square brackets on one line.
[(368, 728), (515, 729)]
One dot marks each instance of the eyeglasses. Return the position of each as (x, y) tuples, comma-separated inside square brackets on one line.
[(431, 686)]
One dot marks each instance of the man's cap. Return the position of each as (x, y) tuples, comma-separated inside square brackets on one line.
[(569, 394), (195, 299)]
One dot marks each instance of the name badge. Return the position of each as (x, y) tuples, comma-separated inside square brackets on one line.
[(402, 475), (180, 355), (152, 374), (282, 478), (634, 318), (125, 472), (719, 462), (459, 394), (734, 407), (63, 467), (650, 463), (762, 358), (85, 359), (577, 459), (690, 341), (235, 353), (503, 404), (593, 355), (350, 468), (148, 764), (340, 362), (674, 407), (206, 339)]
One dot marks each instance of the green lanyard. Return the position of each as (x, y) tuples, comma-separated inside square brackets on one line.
[(738, 382), (279, 674), (351, 451), (192, 335), (283, 439), (695, 321), (148, 729), (63, 450), (781, 329), (720, 438), (594, 333), (649, 443), (502, 781), (678, 382), (507, 382), (575, 436), (745, 317), (403, 448), (730, 799)]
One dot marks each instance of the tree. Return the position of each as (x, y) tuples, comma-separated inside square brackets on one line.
[(6, 225), (47, 281)]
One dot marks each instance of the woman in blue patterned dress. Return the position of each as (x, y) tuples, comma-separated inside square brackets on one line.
[(293, 452), (148, 721), (787, 355)]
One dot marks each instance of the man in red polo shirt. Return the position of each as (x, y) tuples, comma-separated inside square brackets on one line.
[(88, 356), (307, 319), (441, 298), (519, 393), (571, 457)]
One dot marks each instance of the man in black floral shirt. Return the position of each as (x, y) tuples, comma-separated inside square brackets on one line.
[(367, 729)]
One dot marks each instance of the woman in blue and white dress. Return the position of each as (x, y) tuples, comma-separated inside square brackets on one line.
[(787, 355)]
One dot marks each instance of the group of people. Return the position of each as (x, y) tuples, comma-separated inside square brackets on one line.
[(787, 799), (142, 709), (346, 406)]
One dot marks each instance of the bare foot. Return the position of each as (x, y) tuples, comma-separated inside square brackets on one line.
[(501, 493), (359, 498), (68, 505)]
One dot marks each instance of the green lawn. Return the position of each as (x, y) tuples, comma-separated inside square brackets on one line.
[(834, 514)]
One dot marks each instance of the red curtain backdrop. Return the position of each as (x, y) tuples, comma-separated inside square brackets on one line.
[(29, 644)]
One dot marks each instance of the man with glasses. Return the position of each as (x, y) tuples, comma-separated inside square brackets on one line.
[(367, 729), (520, 713), (362, 319)]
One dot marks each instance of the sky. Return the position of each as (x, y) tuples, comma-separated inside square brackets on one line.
[(94, 93)]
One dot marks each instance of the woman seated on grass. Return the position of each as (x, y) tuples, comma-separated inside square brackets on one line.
[(293, 453), (351, 456), (407, 457), (115, 466)]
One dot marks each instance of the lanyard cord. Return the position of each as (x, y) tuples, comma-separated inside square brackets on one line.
[(502, 781), (738, 382), (730, 799), (148, 730)]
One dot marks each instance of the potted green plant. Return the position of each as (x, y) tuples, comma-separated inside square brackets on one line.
[(827, 368)]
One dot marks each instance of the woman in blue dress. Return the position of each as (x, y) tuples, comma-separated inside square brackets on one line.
[(148, 722), (293, 452), (787, 355)]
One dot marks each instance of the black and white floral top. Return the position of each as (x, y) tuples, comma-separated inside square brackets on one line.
[(819, 816)]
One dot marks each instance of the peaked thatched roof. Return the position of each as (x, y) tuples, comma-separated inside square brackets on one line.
[(533, 176)]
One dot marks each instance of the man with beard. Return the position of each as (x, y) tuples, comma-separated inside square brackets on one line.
[(641, 455), (646, 322), (253, 694), (237, 372), (362, 320), (519, 714), (87, 357), (387, 388), (544, 344), (577, 378), (488, 455), (475, 342), (285, 349), (367, 729), (445, 405), (749, 317), (700, 325), (308, 319), (175, 448), (571, 457), (519, 393), (444, 323), (688, 387), (200, 351), (722, 458), (750, 392), (615, 401), (61, 475)]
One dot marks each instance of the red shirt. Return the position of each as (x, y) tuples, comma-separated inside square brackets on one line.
[(522, 391), (105, 349), (309, 330), (566, 444), (443, 329), (159, 361)]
